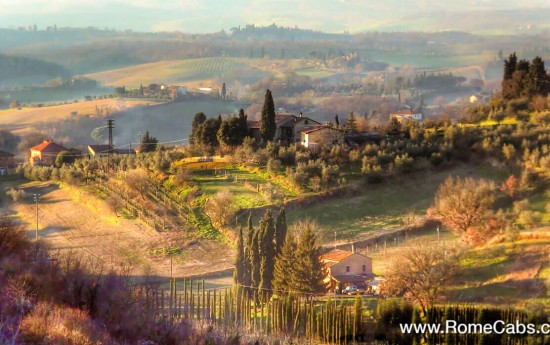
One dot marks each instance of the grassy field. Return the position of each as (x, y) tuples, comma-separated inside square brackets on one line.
[(380, 208), (23, 120), (246, 187), (505, 273)]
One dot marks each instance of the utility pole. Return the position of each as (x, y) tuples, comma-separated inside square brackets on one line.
[(36, 197)]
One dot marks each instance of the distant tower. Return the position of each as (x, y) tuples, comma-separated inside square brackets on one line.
[(110, 126)]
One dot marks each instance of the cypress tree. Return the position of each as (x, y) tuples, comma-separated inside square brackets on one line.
[(223, 93), (280, 231), (240, 261), (284, 266), (255, 260), (267, 250), (268, 125), (357, 319), (309, 271), (247, 276)]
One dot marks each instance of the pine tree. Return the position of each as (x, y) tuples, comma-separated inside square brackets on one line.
[(240, 260), (284, 266), (280, 231), (510, 66), (309, 271), (268, 126), (148, 143), (351, 123), (267, 252)]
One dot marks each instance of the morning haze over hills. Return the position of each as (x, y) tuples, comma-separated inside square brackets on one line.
[(274, 172)]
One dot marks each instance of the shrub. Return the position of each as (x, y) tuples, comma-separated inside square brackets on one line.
[(16, 194), (404, 164), (13, 239), (373, 173), (273, 166)]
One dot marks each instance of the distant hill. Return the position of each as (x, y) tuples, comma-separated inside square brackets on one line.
[(484, 22), (21, 71)]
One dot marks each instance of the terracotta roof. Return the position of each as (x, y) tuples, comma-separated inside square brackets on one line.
[(6, 154), (253, 124), (283, 117), (336, 255), (48, 146)]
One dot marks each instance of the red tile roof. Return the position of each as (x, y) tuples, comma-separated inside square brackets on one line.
[(336, 255), (48, 146)]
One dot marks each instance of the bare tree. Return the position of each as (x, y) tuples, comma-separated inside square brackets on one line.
[(220, 207), (421, 273), (464, 203), (138, 179)]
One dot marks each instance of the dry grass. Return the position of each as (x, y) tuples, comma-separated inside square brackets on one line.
[(74, 219), (52, 324), (23, 120)]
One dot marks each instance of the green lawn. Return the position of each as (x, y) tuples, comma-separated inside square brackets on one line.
[(247, 188), (380, 207)]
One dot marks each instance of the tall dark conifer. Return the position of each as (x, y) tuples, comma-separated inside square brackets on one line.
[(267, 250), (248, 252), (255, 260), (280, 231), (240, 260), (198, 120), (268, 125)]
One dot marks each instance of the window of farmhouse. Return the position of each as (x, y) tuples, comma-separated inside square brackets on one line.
[(347, 268)]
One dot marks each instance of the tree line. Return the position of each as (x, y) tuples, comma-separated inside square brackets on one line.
[(273, 260)]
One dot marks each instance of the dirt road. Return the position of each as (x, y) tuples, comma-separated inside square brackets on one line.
[(74, 219)]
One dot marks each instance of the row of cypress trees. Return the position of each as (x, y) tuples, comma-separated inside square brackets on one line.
[(272, 259)]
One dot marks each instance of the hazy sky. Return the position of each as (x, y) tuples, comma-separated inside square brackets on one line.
[(214, 15)]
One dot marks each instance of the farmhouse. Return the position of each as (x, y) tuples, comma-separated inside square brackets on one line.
[(46, 153), (6, 161), (346, 268), (288, 130), (322, 135), (407, 114)]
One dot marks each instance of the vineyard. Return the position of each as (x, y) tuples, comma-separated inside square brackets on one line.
[(178, 71), (320, 318)]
